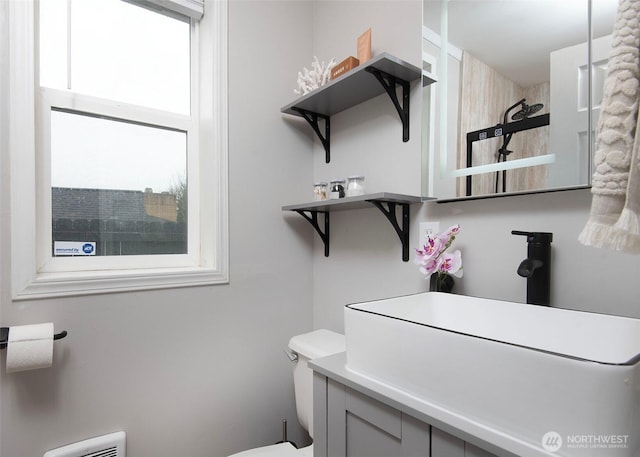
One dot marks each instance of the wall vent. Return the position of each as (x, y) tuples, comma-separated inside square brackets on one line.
[(111, 445)]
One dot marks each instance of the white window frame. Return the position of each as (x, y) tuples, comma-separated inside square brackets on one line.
[(35, 274)]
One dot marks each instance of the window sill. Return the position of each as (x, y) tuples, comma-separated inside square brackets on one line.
[(52, 285)]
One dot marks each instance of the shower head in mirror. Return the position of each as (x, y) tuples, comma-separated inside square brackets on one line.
[(526, 111)]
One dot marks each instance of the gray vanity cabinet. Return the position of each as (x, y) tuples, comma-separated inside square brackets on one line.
[(348, 423), (446, 445)]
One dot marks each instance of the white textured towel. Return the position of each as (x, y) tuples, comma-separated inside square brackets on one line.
[(614, 222)]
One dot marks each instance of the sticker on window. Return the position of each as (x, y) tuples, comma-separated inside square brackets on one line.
[(74, 248)]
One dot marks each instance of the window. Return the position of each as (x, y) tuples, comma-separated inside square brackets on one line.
[(117, 188), (128, 181), (116, 51)]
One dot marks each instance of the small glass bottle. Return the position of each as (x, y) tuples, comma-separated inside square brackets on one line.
[(337, 189), (320, 190), (355, 185)]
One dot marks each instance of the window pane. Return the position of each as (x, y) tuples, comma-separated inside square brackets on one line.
[(53, 44), (119, 185), (118, 51)]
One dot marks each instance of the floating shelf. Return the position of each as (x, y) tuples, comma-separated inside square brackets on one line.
[(382, 73), (384, 201)]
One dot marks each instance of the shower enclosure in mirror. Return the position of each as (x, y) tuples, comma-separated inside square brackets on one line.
[(518, 94)]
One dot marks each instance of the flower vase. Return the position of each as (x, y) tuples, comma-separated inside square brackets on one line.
[(441, 282)]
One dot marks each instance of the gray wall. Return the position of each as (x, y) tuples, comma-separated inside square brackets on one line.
[(220, 383), (365, 257), (583, 278), (190, 372), (4, 172)]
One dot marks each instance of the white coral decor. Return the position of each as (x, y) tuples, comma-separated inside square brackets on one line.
[(318, 76)]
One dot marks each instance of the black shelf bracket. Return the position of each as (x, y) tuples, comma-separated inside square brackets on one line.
[(389, 82), (403, 232), (313, 118), (313, 220)]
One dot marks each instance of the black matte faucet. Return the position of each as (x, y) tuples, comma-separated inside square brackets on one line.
[(537, 266)]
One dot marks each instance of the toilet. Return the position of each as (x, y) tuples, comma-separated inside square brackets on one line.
[(308, 346)]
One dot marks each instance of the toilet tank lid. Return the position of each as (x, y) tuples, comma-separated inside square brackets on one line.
[(319, 343)]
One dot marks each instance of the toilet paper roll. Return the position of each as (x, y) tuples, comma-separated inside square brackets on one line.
[(30, 347)]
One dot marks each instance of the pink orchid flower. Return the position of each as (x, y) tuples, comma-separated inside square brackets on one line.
[(451, 263), (430, 251), (429, 267), (449, 235), (433, 257)]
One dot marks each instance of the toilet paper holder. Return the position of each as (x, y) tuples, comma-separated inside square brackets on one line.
[(4, 336)]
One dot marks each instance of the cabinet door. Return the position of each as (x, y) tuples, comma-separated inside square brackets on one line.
[(416, 437), (359, 426), (348, 423), (446, 445), (373, 429), (472, 451)]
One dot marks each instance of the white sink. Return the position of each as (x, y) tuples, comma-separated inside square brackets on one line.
[(521, 370)]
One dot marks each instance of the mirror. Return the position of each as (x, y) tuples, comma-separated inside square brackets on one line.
[(512, 107)]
